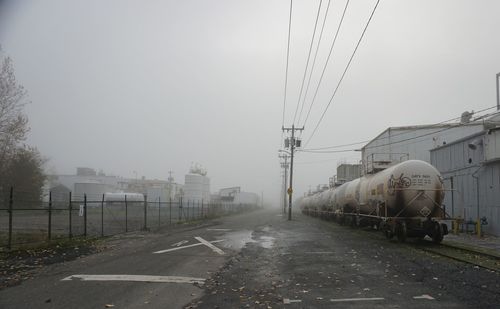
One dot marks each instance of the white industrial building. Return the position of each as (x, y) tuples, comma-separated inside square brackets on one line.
[(470, 167), (196, 186), (234, 195), (86, 181), (397, 144)]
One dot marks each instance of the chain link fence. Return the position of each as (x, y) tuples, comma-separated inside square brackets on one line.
[(24, 221)]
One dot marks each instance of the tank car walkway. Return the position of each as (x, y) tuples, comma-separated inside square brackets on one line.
[(258, 260)]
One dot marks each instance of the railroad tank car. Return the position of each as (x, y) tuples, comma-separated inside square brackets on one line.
[(403, 200)]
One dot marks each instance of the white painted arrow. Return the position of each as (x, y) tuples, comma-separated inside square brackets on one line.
[(188, 246), (177, 244)]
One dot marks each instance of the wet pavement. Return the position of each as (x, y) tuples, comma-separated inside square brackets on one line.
[(309, 263), (258, 260)]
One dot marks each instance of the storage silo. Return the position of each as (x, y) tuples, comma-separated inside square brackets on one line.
[(197, 186)]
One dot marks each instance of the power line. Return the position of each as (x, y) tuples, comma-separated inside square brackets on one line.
[(386, 144), (326, 63), (314, 60), (327, 151), (345, 71), (307, 62), (287, 59), (402, 133)]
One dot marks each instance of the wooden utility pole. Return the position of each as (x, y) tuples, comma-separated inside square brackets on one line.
[(291, 143), (285, 165)]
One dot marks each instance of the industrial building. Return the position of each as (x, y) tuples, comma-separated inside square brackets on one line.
[(86, 181), (196, 186), (234, 195), (94, 184), (470, 167), (397, 144)]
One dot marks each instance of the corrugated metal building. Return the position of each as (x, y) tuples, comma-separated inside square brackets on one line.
[(347, 172), (397, 144), (470, 167)]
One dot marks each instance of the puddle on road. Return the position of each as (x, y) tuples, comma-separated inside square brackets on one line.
[(266, 242), (238, 240)]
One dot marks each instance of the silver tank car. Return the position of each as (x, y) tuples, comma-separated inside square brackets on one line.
[(402, 200)]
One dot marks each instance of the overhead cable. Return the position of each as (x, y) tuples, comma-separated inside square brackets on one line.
[(307, 62), (314, 61), (402, 133), (326, 63), (287, 60), (344, 73)]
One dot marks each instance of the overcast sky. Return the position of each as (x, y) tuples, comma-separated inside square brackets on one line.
[(151, 86)]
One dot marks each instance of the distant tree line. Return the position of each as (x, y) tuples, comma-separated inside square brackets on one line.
[(21, 166)]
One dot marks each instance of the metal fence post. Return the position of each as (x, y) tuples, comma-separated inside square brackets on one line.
[(202, 208), (145, 212), (50, 216), (70, 218), (187, 219), (102, 216), (126, 214), (159, 211), (180, 210), (11, 202), (85, 215), (170, 209)]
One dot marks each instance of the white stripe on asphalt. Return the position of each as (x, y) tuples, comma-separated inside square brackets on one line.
[(188, 246), (206, 243), (356, 299), (320, 252), (287, 301), (219, 230), (137, 278), (425, 296)]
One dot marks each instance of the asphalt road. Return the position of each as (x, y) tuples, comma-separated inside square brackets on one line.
[(257, 260)]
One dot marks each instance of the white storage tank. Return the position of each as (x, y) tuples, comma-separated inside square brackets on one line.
[(196, 188)]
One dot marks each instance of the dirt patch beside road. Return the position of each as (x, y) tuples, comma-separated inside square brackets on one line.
[(20, 265)]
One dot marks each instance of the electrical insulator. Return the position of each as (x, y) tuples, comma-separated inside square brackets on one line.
[(287, 143), (298, 142)]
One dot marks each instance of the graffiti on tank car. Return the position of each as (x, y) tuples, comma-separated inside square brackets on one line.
[(401, 182)]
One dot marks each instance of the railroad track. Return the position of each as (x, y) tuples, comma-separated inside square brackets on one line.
[(475, 256)]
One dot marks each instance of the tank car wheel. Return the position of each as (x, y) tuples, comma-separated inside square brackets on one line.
[(437, 233), (401, 231)]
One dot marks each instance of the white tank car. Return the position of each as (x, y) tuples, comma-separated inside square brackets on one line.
[(401, 199), (409, 189)]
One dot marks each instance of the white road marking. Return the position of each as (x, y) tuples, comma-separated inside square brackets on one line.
[(356, 299), (287, 301), (177, 244), (219, 230), (320, 252), (208, 244), (424, 296), (136, 278), (183, 247)]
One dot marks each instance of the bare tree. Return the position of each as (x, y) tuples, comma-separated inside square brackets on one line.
[(13, 121)]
